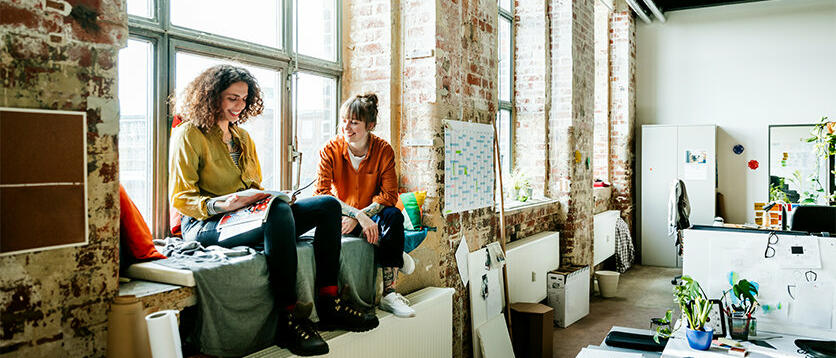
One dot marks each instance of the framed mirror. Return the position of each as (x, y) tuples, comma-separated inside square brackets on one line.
[(796, 174)]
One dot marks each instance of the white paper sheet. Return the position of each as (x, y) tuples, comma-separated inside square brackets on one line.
[(232, 230), (696, 165), (813, 305), (494, 339), (461, 260), (496, 255), (794, 251), (594, 352), (495, 293)]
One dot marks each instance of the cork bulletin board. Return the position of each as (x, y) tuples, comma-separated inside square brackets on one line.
[(43, 179)]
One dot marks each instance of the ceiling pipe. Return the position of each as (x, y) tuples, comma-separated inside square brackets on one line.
[(638, 10), (655, 10)]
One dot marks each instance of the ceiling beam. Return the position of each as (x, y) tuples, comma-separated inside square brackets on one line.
[(638, 10)]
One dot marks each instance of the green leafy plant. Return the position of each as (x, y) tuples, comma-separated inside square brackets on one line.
[(776, 193), (745, 294), (522, 185), (693, 303), (824, 135)]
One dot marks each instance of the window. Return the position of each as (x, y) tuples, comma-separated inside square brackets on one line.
[(263, 23), (316, 111), (505, 86), (135, 123), (165, 52), (601, 116)]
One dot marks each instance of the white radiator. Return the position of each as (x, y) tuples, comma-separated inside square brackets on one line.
[(428, 334), (528, 261)]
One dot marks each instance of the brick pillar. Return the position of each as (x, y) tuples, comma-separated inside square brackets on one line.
[(623, 111), (59, 56), (571, 124), (531, 86), (371, 59)]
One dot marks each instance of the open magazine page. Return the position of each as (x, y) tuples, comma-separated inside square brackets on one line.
[(252, 216)]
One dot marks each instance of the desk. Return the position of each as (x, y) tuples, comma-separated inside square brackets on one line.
[(677, 347), (611, 351)]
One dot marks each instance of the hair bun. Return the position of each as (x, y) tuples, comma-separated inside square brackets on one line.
[(371, 97)]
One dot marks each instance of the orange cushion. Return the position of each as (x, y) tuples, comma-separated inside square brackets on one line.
[(134, 231)]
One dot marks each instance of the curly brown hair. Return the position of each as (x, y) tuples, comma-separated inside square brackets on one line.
[(202, 97)]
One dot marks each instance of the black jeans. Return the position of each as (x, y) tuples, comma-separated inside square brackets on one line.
[(278, 237), (390, 247)]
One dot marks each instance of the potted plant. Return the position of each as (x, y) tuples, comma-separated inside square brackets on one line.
[(824, 135), (695, 307), (744, 303), (522, 186)]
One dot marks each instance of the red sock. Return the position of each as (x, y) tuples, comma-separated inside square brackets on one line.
[(328, 291)]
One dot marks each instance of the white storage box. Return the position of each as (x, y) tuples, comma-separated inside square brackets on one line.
[(568, 294)]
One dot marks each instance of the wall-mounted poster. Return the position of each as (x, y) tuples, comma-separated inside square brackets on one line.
[(696, 165), (468, 166), (43, 179)]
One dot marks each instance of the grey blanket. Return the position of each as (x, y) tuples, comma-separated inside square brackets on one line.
[(236, 314)]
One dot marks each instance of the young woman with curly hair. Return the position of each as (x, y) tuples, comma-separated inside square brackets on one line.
[(358, 168), (212, 156)]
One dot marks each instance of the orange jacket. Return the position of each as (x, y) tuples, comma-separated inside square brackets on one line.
[(374, 180)]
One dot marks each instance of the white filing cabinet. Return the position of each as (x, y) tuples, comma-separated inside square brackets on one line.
[(603, 243), (665, 158)]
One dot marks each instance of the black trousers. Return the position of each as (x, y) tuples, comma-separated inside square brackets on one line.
[(278, 235), (390, 247)]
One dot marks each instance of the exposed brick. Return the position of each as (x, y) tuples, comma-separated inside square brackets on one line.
[(54, 302)]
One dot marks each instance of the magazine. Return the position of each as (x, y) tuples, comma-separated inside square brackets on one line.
[(252, 216)]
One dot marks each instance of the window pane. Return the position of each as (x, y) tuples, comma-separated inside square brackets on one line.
[(144, 8), (504, 59), (503, 127), (505, 4), (265, 130), (317, 26), (316, 122), (262, 19), (135, 123)]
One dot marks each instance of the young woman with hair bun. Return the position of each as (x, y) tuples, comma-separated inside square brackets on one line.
[(358, 168)]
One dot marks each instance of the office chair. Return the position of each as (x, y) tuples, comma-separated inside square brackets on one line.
[(814, 219)]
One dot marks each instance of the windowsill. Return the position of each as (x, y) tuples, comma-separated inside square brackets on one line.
[(513, 206)]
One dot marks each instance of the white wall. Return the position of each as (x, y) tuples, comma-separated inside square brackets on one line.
[(741, 67)]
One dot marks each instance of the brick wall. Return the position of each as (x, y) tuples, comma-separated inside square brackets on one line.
[(623, 111), (571, 124), (62, 55), (370, 58)]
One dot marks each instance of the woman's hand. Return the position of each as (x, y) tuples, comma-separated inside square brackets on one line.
[(348, 224), (369, 228), (235, 202)]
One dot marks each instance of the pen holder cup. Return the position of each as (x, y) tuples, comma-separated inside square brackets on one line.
[(739, 326)]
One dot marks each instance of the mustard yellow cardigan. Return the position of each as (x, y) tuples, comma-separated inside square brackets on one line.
[(201, 168)]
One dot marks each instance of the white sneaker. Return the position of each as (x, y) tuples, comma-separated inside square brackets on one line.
[(408, 264), (397, 305)]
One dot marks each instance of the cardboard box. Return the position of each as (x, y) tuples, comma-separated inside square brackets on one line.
[(568, 294), (533, 329)]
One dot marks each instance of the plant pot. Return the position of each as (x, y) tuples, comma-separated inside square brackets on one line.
[(700, 340), (739, 326)]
